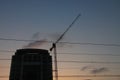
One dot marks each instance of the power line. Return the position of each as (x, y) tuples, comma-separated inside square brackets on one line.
[(78, 76), (89, 76), (8, 39), (83, 62), (5, 59), (60, 68), (8, 51), (90, 62), (5, 67), (88, 54), (100, 44), (80, 43), (78, 68)]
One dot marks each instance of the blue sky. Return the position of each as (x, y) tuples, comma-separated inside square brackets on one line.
[(99, 23), (54, 16)]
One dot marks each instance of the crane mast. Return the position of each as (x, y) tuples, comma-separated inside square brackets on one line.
[(55, 49)]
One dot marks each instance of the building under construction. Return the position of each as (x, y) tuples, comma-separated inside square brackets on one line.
[(31, 64)]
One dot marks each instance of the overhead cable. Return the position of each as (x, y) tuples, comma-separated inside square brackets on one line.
[(80, 43)]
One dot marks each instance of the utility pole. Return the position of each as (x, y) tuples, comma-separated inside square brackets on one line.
[(55, 49)]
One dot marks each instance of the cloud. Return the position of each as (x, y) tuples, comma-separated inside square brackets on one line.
[(94, 70), (35, 44), (40, 39), (99, 70), (37, 41), (85, 68)]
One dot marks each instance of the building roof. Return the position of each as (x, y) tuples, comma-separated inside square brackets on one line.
[(31, 50)]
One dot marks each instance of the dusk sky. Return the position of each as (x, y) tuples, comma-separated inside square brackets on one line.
[(46, 20)]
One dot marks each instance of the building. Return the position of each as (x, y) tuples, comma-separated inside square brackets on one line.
[(31, 64)]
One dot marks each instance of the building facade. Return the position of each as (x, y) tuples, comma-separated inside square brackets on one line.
[(31, 64)]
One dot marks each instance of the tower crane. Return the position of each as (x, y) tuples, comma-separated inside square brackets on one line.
[(57, 41)]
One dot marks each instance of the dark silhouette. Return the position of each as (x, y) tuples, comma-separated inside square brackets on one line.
[(31, 64)]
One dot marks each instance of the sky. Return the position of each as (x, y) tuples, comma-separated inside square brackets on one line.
[(46, 20)]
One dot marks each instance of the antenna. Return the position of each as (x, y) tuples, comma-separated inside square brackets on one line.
[(55, 49)]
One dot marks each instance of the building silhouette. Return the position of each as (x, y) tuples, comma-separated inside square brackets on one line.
[(31, 64)]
